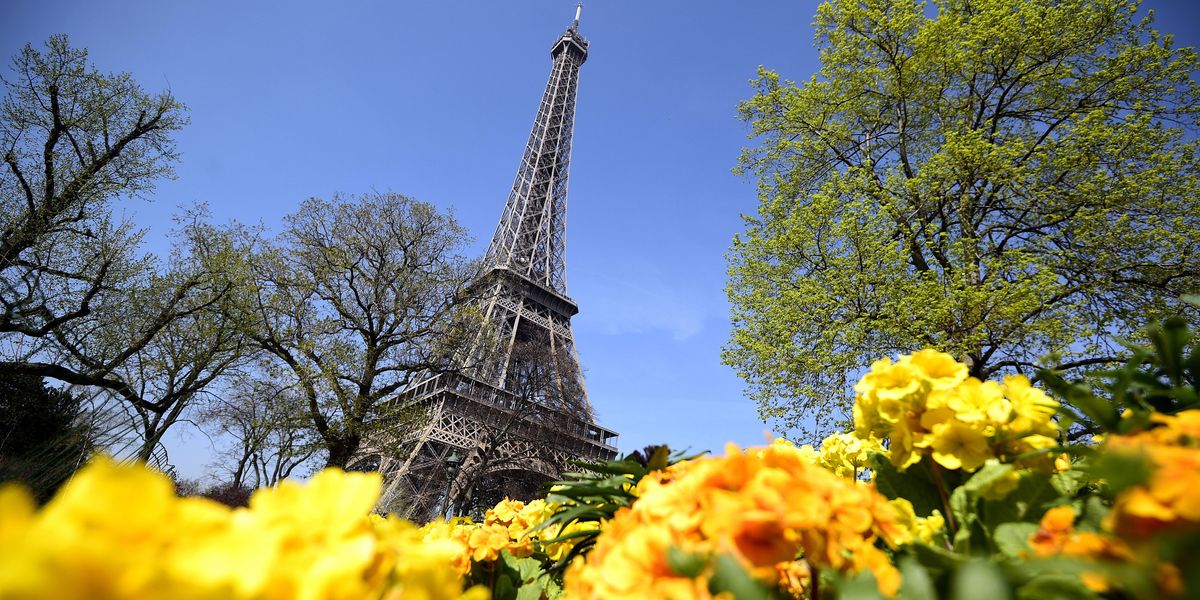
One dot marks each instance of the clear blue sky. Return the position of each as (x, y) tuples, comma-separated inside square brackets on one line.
[(292, 99)]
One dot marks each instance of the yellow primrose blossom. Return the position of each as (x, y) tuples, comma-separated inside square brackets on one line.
[(1032, 408), (512, 525), (975, 401), (958, 445), (1165, 503), (938, 369), (1056, 535), (846, 454), (926, 530), (925, 404), (119, 531), (765, 507)]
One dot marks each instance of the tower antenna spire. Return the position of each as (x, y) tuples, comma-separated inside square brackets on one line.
[(578, 9)]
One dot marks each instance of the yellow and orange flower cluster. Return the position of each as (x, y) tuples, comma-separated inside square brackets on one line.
[(925, 404), (847, 454), (511, 525), (926, 530), (119, 531), (1057, 536), (1169, 500), (770, 508)]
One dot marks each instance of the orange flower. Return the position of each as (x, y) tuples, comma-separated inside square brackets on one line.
[(765, 507), (1168, 501)]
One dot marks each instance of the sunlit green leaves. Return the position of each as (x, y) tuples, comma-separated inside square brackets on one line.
[(999, 180)]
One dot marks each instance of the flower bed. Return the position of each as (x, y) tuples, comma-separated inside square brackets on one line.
[(946, 484)]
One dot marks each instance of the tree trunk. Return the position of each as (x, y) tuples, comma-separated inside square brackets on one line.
[(341, 450)]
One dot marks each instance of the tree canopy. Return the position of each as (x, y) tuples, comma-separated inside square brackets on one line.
[(352, 300), (80, 301), (1002, 180)]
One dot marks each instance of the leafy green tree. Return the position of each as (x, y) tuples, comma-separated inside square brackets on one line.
[(353, 300), (80, 302), (72, 140), (1002, 180), (178, 365), (269, 431)]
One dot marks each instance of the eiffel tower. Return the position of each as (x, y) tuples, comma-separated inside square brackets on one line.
[(517, 412)]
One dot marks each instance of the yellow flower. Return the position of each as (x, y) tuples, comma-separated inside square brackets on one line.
[(890, 380), (938, 368), (957, 445), (504, 512), (1056, 535), (1168, 501), (1032, 408), (925, 404), (118, 531), (1056, 525), (846, 454), (487, 541), (883, 396), (926, 530), (1062, 463), (976, 401)]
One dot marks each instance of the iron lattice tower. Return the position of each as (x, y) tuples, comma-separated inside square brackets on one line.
[(515, 410)]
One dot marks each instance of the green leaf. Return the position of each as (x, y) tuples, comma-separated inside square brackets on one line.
[(915, 581), (1013, 538), (530, 591), (504, 588), (859, 587), (936, 558), (979, 580), (1068, 483), (987, 476), (1034, 492), (658, 460), (1056, 587), (962, 506), (551, 587), (1092, 513), (1121, 470), (909, 485), (685, 563), (729, 576)]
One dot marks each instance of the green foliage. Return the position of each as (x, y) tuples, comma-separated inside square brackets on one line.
[(72, 141), (997, 543), (730, 577), (595, 495), (1001, 181), (989, 552), (79, 301), (590, 496), (523, 579), (355, 299), (1162, 376), (915, 484)]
